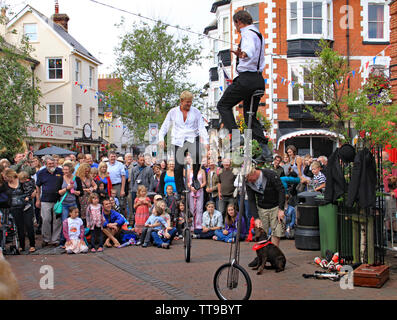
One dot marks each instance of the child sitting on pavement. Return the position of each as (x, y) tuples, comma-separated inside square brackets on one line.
[(229, 233), (290, 217), (154, 223), (73, 231), (164, 237)]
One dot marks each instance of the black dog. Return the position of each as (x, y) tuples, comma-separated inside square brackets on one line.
[(269, 252)]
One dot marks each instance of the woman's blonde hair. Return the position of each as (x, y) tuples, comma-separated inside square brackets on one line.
[(82, 169), (10, 174), (101, 165)]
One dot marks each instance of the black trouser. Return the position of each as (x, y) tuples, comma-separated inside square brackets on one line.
[(242, 89), (24, 224), (194, 150), (37, 213), (146, 234), (96, 233), (204, 235)]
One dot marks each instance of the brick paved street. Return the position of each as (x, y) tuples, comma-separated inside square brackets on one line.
[(158, 274)]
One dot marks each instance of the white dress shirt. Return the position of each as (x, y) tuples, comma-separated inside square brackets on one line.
[(251, 45), (184, 130)]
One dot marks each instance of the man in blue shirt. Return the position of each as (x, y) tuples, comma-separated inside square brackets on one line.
[(90, 161), (112, 225), (116, 172), (47, 186), (250, 65)]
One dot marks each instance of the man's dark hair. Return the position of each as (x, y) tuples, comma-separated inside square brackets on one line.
[(278, 157), (243, 16)]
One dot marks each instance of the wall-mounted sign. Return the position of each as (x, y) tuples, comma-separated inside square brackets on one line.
[(108, 116)]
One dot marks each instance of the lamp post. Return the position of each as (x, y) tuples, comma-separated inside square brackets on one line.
[(101, 125)]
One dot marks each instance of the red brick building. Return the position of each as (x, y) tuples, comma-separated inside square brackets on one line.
[(359, 30)]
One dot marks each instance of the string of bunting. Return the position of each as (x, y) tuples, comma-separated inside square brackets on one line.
[(286, 81)]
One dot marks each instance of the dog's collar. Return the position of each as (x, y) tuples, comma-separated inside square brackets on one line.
[(261, 245)]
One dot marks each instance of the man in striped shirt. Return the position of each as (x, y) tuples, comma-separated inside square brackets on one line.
[(319, 178)]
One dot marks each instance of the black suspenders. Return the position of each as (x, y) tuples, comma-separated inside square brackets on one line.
[(260, 52)]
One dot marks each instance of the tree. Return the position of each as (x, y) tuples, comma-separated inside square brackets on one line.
[(368, 109), (153, 68), (326, 75), (18, 96)]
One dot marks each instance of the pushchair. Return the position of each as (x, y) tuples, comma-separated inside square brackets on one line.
[(8, 233)]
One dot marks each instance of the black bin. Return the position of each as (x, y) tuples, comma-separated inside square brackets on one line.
[(307, 233)]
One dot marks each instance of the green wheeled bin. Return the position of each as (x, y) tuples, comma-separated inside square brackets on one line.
[(328, 223)]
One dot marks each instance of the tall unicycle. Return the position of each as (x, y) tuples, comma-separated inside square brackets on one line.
[(187, 236), (231, 281)]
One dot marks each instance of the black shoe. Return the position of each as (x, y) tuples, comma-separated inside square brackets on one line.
[(196, 184), (266, 156), (253, 263)]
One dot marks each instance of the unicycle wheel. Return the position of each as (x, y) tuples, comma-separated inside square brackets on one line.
[(187, 243)]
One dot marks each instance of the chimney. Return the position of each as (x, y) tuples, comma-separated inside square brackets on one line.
[(60, 19)]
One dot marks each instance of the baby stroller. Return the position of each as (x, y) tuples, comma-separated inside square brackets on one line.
[(8, 233)]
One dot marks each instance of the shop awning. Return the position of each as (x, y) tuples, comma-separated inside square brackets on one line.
[(308, 132)]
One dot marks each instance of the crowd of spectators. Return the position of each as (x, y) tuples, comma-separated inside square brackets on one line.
[(119, 195)]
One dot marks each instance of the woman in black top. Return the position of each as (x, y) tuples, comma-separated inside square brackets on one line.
[(23, 219)]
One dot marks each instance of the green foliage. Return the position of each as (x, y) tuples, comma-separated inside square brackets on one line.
[(18, 97), (368, 109), (325, 74), (153, 67)]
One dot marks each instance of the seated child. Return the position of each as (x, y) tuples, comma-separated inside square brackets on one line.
[(180, 219), (73, 231), (290, 217), (230, 231), (154, 223), (164, 237), (212, 221)]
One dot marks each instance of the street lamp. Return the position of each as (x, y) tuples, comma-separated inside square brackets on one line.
[(101, 125)]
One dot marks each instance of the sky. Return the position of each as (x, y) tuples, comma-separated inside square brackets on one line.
[(94, 27)]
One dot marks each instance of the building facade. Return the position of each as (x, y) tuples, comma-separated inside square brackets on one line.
[(68, 76), (292, 29)]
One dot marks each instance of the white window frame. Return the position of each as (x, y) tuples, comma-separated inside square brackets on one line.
[(225, 34), (78, 115), (386, 19), (92, 116), (255, 22), (28, 34), (91, 76), (48, 68), (300, 64), (56, 114), (325, 34), (77, 70)]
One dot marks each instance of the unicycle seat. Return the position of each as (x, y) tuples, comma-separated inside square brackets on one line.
[(258, 93)]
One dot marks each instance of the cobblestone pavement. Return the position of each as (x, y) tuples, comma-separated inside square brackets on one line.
[(136, 273)]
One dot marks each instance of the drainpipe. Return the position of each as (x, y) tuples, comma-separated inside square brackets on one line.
[(33, 67), (348, 59)]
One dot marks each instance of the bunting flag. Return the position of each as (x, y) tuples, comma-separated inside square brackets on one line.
[(353, 72), (367, 65), (374, 60)]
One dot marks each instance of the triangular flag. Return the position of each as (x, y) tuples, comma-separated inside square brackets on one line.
[(265, 81), (353, 72), (81, 86), (85, 90), (275, 76), (221, 88), (337, 82), (367, 65), (374, 60), (361, 69), (75, 83)]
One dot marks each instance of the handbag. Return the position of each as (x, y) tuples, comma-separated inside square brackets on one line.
[(58, 206)]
